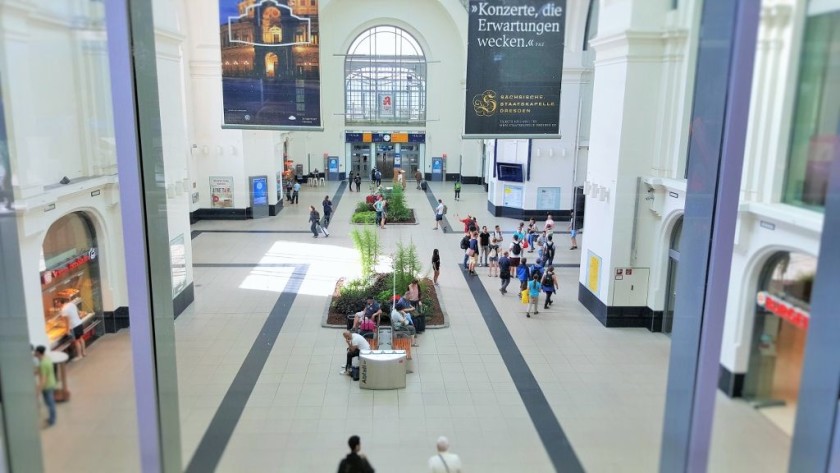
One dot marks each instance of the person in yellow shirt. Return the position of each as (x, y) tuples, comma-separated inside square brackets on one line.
[(46, 382)]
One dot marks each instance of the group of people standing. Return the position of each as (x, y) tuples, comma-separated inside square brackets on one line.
[(486, 248)]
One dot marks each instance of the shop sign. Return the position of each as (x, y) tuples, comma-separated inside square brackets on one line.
[(51, 274), (785, 310)]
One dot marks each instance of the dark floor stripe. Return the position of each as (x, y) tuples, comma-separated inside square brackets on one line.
[(338, 193), (553, 438), (215, 439), (434, 203), (194, 234)]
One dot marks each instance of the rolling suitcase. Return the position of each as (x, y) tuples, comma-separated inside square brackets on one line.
[(419, 322), (423, 185), (321, 229)]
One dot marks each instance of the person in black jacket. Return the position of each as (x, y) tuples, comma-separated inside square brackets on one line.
[(355, 462)]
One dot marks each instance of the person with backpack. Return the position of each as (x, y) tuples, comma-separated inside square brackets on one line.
[(549, 285), (537, 268), (548, 251), (515, 254), (523, 273), (440, 211), (465, 245), (504, 272), (458, 189), (472, 252), (534, 287), (355, 462), (314, 220), (378, 177), (358, 181)]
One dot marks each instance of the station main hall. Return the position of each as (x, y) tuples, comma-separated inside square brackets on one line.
[(419, 236)]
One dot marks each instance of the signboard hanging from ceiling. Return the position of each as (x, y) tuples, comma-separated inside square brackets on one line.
[(270, 64), (514, 67)]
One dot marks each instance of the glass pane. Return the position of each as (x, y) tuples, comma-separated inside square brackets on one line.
[(61, 170), (813, 140), (775, 262)]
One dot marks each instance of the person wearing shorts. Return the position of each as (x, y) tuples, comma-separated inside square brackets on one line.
[(75, 327), (493, 257), (515, 258)]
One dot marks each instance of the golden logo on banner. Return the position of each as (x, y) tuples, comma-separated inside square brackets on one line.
[(485, 103)]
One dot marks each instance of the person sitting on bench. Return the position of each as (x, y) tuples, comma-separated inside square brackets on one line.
[(402, 327), (371, 311), (405, 308), (355, 344)]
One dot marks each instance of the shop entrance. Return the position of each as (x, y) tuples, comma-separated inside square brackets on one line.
[(671, 285), (70, 275), (779, 337)]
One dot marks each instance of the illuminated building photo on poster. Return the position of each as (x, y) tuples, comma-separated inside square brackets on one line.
[(270, 64)]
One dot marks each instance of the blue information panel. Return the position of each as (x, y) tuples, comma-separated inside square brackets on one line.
[(259, 196)]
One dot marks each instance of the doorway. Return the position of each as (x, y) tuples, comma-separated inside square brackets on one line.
[(671, 284)]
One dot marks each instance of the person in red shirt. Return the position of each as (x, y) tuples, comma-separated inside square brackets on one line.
[(468, 222)]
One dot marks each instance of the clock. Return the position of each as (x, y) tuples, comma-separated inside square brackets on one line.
[(386, 137)]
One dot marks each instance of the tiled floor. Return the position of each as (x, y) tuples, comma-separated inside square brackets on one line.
[(606, 387)]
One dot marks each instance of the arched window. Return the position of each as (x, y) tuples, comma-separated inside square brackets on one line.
[(385, 78)]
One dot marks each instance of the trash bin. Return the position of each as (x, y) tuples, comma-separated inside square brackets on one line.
[(382, 369)]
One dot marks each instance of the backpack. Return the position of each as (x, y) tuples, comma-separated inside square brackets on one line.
[(517, 248), (465, 242), (548, 280), (536, 270), (444, 210), (549, 250), (378, 175)]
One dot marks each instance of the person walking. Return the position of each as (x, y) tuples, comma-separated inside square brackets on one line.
[(573, 231), (515, 254), (458, 189), (484, 245), (549, 285), (440, 211), (444, 462), (435, 265), (295, 192), (534, 287), (523, 273), (355, 462), (548, 251), (378, 177), (418, 176), (314, 219), (46, 382), (358, 181), (327, 204), (504, 272)]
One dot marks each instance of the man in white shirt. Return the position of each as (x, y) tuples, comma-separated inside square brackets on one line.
[(75, 329), (439, 213), (444, 462), (355, 344)]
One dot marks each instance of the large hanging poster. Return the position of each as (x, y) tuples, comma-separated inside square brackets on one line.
[(270, 64), (514, 67)]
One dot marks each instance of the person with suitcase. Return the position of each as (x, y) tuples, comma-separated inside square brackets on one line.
[(355, 344)]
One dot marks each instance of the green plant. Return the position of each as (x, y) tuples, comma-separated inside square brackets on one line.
[(406, 265), (397, 210), (364, 218), (366, 242), (363, 207)]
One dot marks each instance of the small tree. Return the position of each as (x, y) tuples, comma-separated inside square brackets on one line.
[(406, 266), (397, 210), (366, 242)]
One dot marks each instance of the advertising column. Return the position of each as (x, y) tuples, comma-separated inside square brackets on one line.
[(514, 67)]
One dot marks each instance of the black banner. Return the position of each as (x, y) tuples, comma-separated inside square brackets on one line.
[(514, 67), (270, 64)]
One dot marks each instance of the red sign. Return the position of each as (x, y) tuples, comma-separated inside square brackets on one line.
[(785, 310), (48, 276)]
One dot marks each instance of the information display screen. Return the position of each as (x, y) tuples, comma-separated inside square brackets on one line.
[(509, 172)]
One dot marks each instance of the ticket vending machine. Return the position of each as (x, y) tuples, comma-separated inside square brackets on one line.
[(438, 168), (332, 168)]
